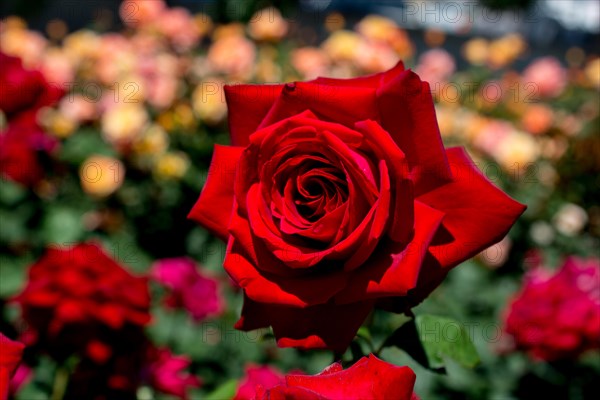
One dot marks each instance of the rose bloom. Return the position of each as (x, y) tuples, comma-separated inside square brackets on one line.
[(189, 289), (77, 299), (310, 62), (265, 376), (337, 196), (179, 26), (23, 93), (10, 357), (123, 123), (167, 373), (435, 66), (557, 316), (267, 24), (208, 101), (16, 40), (537, 119), (368, 379), (171, 165), (232, 55), (375, 56), (137, 13), (101, 176), (548, 76)]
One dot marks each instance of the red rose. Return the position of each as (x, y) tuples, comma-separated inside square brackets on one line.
[(22, 93), (23, 89), (337, 196), (10, 356), (369, 379), (81, 301), (557, 316)]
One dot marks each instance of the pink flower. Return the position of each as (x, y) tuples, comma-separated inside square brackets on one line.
[(190, 289), (435, 66), (557, 316), (267, 377), (167, 374), (548, 76)]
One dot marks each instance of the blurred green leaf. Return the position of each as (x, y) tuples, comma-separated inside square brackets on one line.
[(224, 392), (431, 339), (62, 225)]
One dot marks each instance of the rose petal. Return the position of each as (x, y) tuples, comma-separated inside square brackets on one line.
[(393, 270), (406, 109), (478, 214), (247, 106), (323, 326), (215, 204)]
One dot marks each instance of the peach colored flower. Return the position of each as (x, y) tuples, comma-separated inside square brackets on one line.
[(375, 56), (538, 118), (267, 24), (233, 56), (100, 175), (310, 62), (137, 13)]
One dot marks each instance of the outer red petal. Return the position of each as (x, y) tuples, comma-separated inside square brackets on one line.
[(247, 106), (324, 326), (371, 81), (478, 214), (406, 111), (340, 104), (368, 378), (215, 204)]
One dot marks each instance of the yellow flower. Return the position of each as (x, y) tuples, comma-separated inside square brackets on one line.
[(208, 101), (505, 50), (476, 51), (100, 175), (342, 45), (172, 165), (517, 148), (123, 123), (153, 141)]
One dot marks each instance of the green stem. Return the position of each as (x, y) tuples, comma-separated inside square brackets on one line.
[(61, 381)]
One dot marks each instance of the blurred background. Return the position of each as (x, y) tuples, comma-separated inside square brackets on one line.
[(111, 109)]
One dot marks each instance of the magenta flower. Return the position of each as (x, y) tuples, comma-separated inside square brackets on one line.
[(189, 289), (557, 316), (265, 376), (168, 375)]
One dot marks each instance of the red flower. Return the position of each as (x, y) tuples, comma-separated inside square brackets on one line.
[(22, 93), (338, 195), (558, 316), (167, 374), (369, 379), (190, 289), (265, 376), (10, 356), (76, 300)]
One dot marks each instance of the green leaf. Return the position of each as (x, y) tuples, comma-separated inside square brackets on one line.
[(62, 225), (225, 391), (431, 339)]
